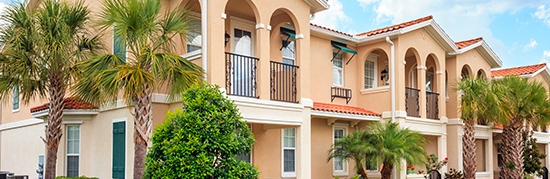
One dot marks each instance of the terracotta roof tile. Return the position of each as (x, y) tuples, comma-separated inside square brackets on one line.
[(395, 27), (498, 127), (329, 29), (522, 70), (70, 103), (465, 43), (326, 107)]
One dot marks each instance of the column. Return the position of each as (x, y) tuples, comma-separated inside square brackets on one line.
[(304, 144), (421, 71), (262, 52)]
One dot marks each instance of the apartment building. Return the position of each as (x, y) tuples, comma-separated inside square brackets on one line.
[(300, 87)]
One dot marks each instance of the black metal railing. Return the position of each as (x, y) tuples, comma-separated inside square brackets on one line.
[(544, 128), (338, 92), (483, 122), (432, 105), (412, 104), (283, 82), (240, 75)]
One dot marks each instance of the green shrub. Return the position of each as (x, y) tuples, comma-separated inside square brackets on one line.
[(201, 140)]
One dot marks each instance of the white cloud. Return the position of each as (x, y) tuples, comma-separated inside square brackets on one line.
[(543, 14), (532, 44), (546, 53), (334, 17)]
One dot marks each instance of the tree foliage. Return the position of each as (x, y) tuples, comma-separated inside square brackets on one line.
[(532, 156), (201, 140)]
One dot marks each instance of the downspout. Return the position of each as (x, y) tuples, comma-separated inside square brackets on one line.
[(392, 77), (204, 33)]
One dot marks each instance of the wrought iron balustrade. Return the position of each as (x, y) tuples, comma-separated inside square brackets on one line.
[(432, 105), (412, 103), (240, 75), (339, 92), (283, 82)]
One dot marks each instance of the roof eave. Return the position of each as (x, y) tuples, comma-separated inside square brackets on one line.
[(483, 48)]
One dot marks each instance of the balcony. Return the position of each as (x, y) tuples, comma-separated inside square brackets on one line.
[(240, 75), (283, 82), (412, 103), (432, 105), (338, 92)]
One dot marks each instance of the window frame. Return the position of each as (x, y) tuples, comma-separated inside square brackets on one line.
[(283, 148), (339, 55), (345, 166), (67, 155), (371, 58)]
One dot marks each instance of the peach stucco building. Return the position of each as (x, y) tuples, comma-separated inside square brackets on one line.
[(300, 86)]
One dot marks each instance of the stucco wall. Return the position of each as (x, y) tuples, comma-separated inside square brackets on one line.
[(20, 149)]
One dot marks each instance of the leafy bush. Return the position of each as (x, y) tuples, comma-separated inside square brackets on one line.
[(201, 140), (454, 174), (80, 177)]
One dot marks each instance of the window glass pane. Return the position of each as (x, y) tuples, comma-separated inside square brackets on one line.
[(289, 137), (244, 157), (194, 38), (337, 61), (338, 164), (72, 166), (337, 69), (369, 74), (289, 50), (15, 97), (338, 134), (73, 139), (289, 158)]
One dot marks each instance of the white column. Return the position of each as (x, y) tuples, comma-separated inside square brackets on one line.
[(304, 145), (442, 150)]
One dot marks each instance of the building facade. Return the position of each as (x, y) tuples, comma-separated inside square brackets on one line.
[(299, 86)]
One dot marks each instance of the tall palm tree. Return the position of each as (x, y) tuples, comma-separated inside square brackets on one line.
[(41, 47), (393, 144), (522, 102), (150, 65), (353, 147), (477, 103)]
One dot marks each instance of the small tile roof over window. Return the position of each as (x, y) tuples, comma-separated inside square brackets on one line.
[(465, 43), (70, 103), (332, 30), (395, 27), (326, 107), (498, 127), (522, 70)]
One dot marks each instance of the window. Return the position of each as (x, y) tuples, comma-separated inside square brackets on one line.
[(370, 71), (370, 165), (289, 152), (288, 52), (194, 38), (337, 69), (339, 163), (73, 150), (119, 46), (499, 155), (15, 98)]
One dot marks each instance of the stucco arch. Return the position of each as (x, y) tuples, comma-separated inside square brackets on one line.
[(191, 5), (481, 74), (245, 9), (281, 16), (381, 64), (412, 61), (466, 71)]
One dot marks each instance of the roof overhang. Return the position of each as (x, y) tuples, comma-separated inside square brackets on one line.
[(85, 114), (343, 116), (317, 5), (483, 48)]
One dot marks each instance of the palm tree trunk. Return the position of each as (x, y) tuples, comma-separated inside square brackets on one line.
[(361, 170), (469, 149), (143, 114), (386, 171), (512, 151), (55, 117)]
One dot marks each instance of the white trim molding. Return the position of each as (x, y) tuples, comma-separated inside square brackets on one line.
[(19, 124)]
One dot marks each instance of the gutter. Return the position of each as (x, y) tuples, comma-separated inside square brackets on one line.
[(204, 33), (392, 77)]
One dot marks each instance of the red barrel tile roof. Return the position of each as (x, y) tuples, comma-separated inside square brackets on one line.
[(522, 70), (333, 30), (395, 27), (465, 43), (326, 107), (70, 103)]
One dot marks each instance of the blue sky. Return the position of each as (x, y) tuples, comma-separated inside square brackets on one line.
[(517, 30)]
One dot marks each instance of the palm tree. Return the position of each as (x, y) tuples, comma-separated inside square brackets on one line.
[(353, 147), (522, 101), (393, 144), (477, 103), (41, 47), (150, 65)]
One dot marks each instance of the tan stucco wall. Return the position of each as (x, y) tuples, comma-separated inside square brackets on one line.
[(267, 151), (20, 149)]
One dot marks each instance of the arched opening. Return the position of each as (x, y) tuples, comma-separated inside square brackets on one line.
[(240, 41), (466, 72), (284, 53), (193, 36), (432, 87), (376, 70), (412, 93), (481, 74)]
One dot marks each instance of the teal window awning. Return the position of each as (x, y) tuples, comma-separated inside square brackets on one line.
[(291, 35), (343, 48)]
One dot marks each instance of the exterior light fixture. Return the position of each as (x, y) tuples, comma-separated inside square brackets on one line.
[(227, 38), (384, 75)]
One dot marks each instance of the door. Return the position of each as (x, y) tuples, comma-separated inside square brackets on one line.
[(243, 63)]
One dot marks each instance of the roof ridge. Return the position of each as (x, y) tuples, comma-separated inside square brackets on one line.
[(466, 43), (395, 26), (330, 29)]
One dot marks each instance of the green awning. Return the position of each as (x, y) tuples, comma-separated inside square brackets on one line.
[(343, 48), (291, 34)]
